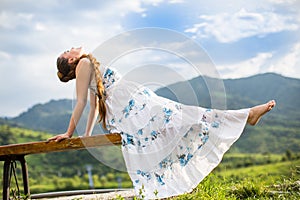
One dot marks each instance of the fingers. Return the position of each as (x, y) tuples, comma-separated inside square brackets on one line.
[(52, 138), (57, 138)]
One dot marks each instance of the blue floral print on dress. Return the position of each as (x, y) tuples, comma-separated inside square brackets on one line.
[(146, 175), (140, 132), (204, 139), (108, 73), (178, 106), (128, 108), (154, 135), (152, 119), (168, 112), (109, 78), (143, 106), (146, 91), (184, 159), (166, 163), (127, 139), (184, 154), (215, 124), (159, 179), (112, 121)]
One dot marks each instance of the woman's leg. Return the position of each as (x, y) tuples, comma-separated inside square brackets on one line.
[(257, 112)]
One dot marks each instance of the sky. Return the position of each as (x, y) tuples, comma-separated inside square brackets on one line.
[(241, 38)]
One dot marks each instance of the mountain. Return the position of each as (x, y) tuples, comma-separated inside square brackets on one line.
[(280, 126), (51, 117), (239, 93)]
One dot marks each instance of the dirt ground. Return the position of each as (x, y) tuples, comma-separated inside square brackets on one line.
[(127, 194)]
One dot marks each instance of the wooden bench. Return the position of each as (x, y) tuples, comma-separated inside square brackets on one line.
[(17, 152)]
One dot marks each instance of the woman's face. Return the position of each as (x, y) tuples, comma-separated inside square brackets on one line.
[(72, 54)]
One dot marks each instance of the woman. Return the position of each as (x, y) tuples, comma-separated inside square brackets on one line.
[(168, 147)]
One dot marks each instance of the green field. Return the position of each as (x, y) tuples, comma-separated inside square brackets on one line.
[(276, 180), (239, 176)]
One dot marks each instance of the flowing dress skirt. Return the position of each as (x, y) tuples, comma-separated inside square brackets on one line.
[(168, 147)]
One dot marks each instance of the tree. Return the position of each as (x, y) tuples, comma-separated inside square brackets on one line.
[(289, 154)]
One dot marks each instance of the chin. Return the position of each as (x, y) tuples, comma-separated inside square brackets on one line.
[(81, 50)]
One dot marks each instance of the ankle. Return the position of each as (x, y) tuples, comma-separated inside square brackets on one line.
[(250, 115)]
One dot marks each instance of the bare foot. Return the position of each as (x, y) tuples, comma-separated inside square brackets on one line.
[(257, 112)]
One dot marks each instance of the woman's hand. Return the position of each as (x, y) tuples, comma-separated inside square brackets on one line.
[(60, 137)]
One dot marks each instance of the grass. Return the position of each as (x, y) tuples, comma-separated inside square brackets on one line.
[(271, 181), (280, 180), (239, 176)]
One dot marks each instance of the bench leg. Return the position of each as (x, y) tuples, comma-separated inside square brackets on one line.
[(25, 175), (7, 170), (6, 179)]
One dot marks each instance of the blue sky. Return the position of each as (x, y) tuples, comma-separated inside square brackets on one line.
[(241, 37)]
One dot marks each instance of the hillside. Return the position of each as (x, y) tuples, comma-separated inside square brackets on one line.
[(52, 117), (239, 93), (276, 133)]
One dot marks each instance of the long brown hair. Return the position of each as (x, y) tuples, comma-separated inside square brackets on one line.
[(66, 72)]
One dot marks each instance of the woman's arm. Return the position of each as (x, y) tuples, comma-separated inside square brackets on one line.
[(83, 75), (92, 114)]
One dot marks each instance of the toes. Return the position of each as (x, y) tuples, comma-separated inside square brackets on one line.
[(271, 104)]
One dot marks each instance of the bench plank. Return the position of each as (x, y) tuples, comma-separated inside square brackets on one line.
[(64, 145)]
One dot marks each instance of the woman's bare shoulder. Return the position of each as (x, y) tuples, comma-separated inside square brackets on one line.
[(84, 64), (84, 61)]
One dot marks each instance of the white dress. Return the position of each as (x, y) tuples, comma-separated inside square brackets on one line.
[(168, 147)]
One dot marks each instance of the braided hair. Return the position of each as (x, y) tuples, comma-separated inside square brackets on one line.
[(66, 72)]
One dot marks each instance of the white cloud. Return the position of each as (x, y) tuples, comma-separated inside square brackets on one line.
[(4, 55), (27, 80), (10, 20), (245, 68), (286, 64), (120, 9), (282, 1), (228, 27), (153, 2), (289, 64), (34, 32), (40, 27)]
